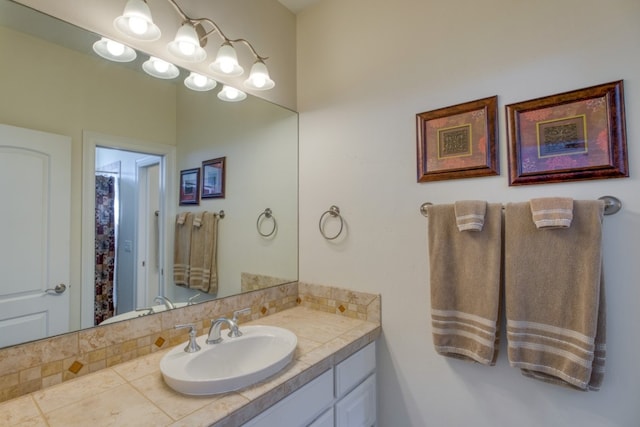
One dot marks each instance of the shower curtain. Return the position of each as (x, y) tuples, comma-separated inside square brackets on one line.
[(105, 248)]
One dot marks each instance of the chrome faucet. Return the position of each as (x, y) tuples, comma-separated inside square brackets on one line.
[(192, 345), (166, 301), (214, 331)]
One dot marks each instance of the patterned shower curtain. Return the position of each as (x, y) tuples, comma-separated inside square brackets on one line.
[(105, 248)]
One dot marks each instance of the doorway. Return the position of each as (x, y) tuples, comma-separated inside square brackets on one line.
[(141, 173)]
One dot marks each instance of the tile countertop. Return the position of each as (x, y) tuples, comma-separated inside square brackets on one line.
[(134, 393)]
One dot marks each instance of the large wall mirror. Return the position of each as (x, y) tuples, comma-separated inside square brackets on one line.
[(115, 121)]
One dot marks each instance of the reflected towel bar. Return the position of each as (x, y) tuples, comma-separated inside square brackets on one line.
[(611, 206)]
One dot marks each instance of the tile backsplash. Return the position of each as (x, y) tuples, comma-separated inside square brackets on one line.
[(32, 366)]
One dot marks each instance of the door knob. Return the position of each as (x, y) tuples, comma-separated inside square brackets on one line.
[(59, 289)]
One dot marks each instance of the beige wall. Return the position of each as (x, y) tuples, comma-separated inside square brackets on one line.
[(365, 68), (53, 89), (259, 141), (266, 24)]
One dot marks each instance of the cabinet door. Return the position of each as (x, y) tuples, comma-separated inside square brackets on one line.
[(324, 420), (301, 407), (358, 408)]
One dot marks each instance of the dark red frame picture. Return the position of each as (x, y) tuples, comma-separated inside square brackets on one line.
[(570, 136), (458, 141), (190, 187), (213, 178)]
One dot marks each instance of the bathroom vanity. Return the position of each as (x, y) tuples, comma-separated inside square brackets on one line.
[(331, 381)]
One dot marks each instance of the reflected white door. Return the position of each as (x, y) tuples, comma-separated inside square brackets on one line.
[(35, 198)]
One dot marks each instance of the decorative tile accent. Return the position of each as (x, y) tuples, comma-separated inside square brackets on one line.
[(356, 305), (75, 367), (159, 342)]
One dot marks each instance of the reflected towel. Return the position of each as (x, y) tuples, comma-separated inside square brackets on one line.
[(555, 296), (182, 248), (203, 267), (552, 212), (470, 214), (465, 285)]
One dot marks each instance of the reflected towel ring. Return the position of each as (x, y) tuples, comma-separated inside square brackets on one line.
[(266, 214), (334, 211)]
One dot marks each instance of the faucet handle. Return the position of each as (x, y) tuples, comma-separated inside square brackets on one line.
[(239, 312), (192, 346)]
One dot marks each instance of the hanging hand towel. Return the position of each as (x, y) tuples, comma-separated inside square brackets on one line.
[(470, 214), (182, 248), (202, 258), (552, 212), (555, 296), (465, 284)]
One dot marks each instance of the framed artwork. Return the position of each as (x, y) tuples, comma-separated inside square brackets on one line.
[(213, 178), (458, 141), (190, 187), (570, 136)]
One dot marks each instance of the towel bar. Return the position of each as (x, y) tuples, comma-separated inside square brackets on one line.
[(611, 206)]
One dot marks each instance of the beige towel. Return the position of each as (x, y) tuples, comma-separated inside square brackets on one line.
[(552, 212), (203, 269), (465, 285), (182, 248), (555, 296), (470, 214)]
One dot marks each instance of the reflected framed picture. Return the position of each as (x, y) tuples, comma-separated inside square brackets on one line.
[(570, 136), (190, 187), (213, 178), (458, 141)]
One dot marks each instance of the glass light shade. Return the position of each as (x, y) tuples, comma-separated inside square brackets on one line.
[(159, 68), (226, 62), (231, 94), (199, 82), (136, 21), (186, 44), (113, 50), (259, 77)]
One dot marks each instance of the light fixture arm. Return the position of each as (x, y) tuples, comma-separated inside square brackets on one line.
[(216, 29)]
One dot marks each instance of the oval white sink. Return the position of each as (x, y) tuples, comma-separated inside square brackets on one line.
[(234, 363)]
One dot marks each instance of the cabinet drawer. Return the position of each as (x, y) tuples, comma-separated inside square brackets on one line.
[(299, 408), (358, 408), (351, 371)]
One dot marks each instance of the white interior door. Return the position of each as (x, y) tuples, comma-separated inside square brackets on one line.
[(35, 195)]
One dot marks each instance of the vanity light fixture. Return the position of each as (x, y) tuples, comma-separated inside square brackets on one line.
[(190, 41), (186, 45), (231, 94), (199, 82), (259, 77), (160, 68), (136, 21), (113, 50)]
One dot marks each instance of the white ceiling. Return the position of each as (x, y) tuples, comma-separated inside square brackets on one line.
[(297, 5)]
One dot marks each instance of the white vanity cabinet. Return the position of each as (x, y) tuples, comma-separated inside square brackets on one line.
[(343, 396)]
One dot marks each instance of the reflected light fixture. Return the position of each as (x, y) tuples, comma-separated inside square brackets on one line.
[(199, 82), (160, 68), (136, 21), (231, 94), (190, 40), (113, 50)]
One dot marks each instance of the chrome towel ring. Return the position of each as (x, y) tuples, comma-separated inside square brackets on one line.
[(334, 212), (266, 214)]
